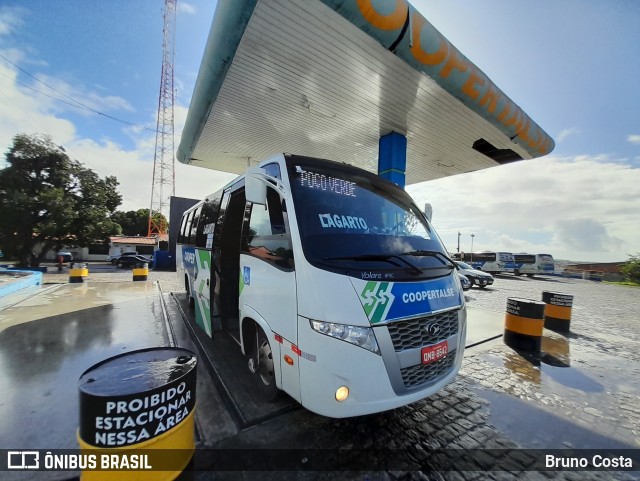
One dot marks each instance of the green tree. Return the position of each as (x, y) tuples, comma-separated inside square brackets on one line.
[(49, 200), (136, 222), (631, 269)]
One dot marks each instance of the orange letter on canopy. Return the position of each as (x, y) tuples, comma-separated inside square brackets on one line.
[(468, 87), (453, 62), (490, 97), (418, 21), (393, 21)]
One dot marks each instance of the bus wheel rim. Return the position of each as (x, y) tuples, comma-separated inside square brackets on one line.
[(266, 363)]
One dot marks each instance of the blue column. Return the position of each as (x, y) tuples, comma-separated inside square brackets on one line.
[(392, 158)]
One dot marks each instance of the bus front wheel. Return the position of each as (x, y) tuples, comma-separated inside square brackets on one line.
[(261, 365)]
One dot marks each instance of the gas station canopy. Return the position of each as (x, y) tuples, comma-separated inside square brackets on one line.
[(329, 78)]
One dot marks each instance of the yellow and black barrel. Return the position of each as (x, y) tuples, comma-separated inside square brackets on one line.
[(139, 407), (523, 324), (557, 311), (141, 272), (78, 272)]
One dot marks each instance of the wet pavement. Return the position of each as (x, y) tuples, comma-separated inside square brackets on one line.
[(44, 350), (581, 392)]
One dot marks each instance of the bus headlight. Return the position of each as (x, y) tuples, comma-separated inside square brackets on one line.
[(359, 336)]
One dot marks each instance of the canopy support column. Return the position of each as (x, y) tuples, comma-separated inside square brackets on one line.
[(392, 157)]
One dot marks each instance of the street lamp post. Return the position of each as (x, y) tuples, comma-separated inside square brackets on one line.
[(472, 236), (458, 243)]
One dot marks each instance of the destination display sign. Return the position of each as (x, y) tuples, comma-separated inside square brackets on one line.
[(315, 180)]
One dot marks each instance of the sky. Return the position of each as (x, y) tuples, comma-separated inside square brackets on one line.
[(572, 65)]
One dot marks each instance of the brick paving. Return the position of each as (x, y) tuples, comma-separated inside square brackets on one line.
[(583, 392)]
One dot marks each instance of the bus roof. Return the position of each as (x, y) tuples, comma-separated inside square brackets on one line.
[(327, 78)]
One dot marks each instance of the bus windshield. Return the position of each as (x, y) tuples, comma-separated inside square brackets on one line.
[(350, 221)]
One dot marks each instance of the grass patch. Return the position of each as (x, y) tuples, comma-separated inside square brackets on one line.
[(623, 283)]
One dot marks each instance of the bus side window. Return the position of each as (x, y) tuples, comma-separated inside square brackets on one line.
[(217, 236), (273, 170), (265, 234), (183, 226), (194, 225), (204, 231), (186, 228)]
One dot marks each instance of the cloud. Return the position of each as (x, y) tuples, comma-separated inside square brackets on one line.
[(134, 170), (91, 99), (579, 208), (634, 139), (184, 7), (11, 18), (567, 133), (585, 235), (24, 111)]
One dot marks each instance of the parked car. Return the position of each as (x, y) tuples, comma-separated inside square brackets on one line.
[(114, 259), (466, 283), (66, 256), (133, 261), (476, 277)]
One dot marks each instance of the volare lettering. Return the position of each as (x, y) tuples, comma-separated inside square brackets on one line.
[(371, 275)]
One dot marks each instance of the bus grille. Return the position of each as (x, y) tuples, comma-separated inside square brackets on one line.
[(427, 373), (414, 333)]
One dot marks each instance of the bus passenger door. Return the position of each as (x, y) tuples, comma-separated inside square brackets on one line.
[(226, 259), (268, 283)]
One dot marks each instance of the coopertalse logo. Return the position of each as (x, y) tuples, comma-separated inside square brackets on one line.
[(23, 460), (419, 296), (376, 300)]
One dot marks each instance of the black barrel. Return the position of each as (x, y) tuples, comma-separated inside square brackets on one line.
[(557, 311), (140, 400), (523, 324)]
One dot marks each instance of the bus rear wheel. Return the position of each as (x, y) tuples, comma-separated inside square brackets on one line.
[(262, 366)]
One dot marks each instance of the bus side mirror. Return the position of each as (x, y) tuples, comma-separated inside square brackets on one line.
[(255, 187), (428, 211)]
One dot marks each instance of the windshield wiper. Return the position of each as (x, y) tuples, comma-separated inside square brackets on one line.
[(436, 254), (378, 257)]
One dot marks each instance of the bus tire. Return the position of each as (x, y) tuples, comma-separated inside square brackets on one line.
[(261, 364)]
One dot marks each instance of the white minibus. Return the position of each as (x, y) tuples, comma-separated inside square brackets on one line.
[(331, 280), (532, 264), (491, 262)]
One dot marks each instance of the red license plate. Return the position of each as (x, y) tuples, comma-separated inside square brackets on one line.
[(434, 353)]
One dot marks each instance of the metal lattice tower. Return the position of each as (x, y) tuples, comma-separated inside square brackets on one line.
[(164, 178)]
